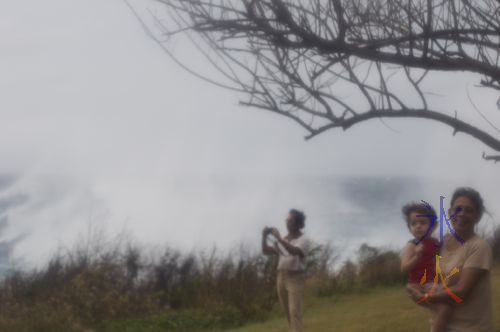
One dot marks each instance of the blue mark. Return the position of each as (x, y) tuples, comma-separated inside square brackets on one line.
[(443, 217)]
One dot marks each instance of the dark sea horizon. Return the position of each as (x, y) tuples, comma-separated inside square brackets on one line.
[(223, 211)]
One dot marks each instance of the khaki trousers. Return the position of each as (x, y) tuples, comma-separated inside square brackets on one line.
[(290, 285)]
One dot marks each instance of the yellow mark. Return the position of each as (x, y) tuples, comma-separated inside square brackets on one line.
[(440, 274)]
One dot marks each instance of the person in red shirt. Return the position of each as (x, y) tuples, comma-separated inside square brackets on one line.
[(418, 259)]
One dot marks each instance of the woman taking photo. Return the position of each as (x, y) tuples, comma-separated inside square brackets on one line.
[(292, 250)]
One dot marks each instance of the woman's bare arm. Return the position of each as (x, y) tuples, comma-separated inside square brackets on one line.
[(292, 250), (468, 278), (267, 250)]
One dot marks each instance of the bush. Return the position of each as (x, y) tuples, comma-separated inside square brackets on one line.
[(375, 267), (494, 240), (98, 283), (112, 286), (379, 267)]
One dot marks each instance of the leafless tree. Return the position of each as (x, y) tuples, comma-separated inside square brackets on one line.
[(335, 63)]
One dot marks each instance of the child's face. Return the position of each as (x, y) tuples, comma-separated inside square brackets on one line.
[(418, 225)]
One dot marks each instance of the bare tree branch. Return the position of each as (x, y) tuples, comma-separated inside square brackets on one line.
[(332, 64)]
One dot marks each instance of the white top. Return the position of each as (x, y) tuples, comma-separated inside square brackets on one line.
[(288, 262)]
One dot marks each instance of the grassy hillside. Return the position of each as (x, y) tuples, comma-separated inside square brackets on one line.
[(119, 289), (379, 310)]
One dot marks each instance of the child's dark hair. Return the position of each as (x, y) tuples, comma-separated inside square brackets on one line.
[(471, 194), (299, 216), (419, 208)]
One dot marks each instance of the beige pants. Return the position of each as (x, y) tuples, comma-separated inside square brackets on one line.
[(290, 286)]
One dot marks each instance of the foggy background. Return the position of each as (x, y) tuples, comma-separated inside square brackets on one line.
[(99, 127)]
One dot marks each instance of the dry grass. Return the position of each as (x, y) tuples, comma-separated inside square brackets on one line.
[(379, 310)]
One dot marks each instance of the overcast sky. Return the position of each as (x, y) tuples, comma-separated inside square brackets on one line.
[(98, 123)]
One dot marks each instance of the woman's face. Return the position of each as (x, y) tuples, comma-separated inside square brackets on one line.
[(464, 221), (291, 223)]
